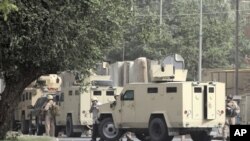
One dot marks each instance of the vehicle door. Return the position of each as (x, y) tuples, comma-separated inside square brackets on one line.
[(128, 108), (198, 105), (210, 102)]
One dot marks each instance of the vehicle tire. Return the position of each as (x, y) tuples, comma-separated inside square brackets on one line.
[(24, 125), (107, 130), (201, 136), (69, 128), (40, 129), (77, 134), (57, 129), (31, 128), (14, 124), (158, 130)]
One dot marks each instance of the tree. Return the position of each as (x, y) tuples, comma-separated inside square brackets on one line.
[(6, 7), (48, 36), (218, 27), (180, 32), (140, 34)]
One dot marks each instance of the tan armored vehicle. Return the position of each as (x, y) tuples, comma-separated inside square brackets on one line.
[(74, 103), (44, 85), (165, 108)]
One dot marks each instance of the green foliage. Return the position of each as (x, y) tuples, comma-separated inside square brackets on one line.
[(50, 36), (6, 7), (217, 33), (180, 33)]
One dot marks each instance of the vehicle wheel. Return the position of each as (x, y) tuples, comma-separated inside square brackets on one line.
[(77, 134), (108, 131), (200, 136), (57, 129), (31, 128), (39, 128), (158, 130), (14, 124), (24, 125), (69, 128)]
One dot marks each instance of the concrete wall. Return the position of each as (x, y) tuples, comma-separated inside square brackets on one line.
[(228, 77)]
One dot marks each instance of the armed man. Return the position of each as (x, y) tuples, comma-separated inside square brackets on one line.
[(49, 116), (232, 111), (94, 110)]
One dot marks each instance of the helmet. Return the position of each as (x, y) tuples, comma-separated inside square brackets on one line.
[(49, 97), (94, 99)]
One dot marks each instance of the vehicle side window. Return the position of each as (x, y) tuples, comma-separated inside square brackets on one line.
[(77, 92), (27, 96), (23, 97), (62, 97), (128, 95), (70, 92), (40, 102), (110, 93), (37, 102), (153, 90), (211, 90), (197, 90), (98, 93), (171, 90), (30, 95)]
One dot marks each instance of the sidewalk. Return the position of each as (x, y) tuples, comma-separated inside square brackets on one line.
[(17, 136), (35, 138)]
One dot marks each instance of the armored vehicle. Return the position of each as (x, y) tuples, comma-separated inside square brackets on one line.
[(44, 85), (75, 102), (164, 108)]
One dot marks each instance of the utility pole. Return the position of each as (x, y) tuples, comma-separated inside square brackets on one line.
[(123, 51), (237, 49), (160, 16), (200, 45)]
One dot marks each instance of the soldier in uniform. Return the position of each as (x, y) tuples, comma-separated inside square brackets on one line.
[(95, 109), (232, 110), (49, 117)]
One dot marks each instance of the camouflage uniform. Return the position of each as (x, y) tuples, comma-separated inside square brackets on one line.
[(94, 110), (232, 110), (49, 119)]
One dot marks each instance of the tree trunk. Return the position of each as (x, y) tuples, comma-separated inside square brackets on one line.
[(10, 98)]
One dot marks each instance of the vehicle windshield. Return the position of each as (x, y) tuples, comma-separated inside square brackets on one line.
[(40, 102)]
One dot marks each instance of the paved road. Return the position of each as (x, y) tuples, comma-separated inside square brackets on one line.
[(88, 139), (177, 138)]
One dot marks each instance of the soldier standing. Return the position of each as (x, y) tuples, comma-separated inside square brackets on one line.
[(232, 110), (95, 109), (49, 117)]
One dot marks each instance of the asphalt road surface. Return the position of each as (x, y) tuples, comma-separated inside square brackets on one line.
[(88, 139), (176, 138)]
